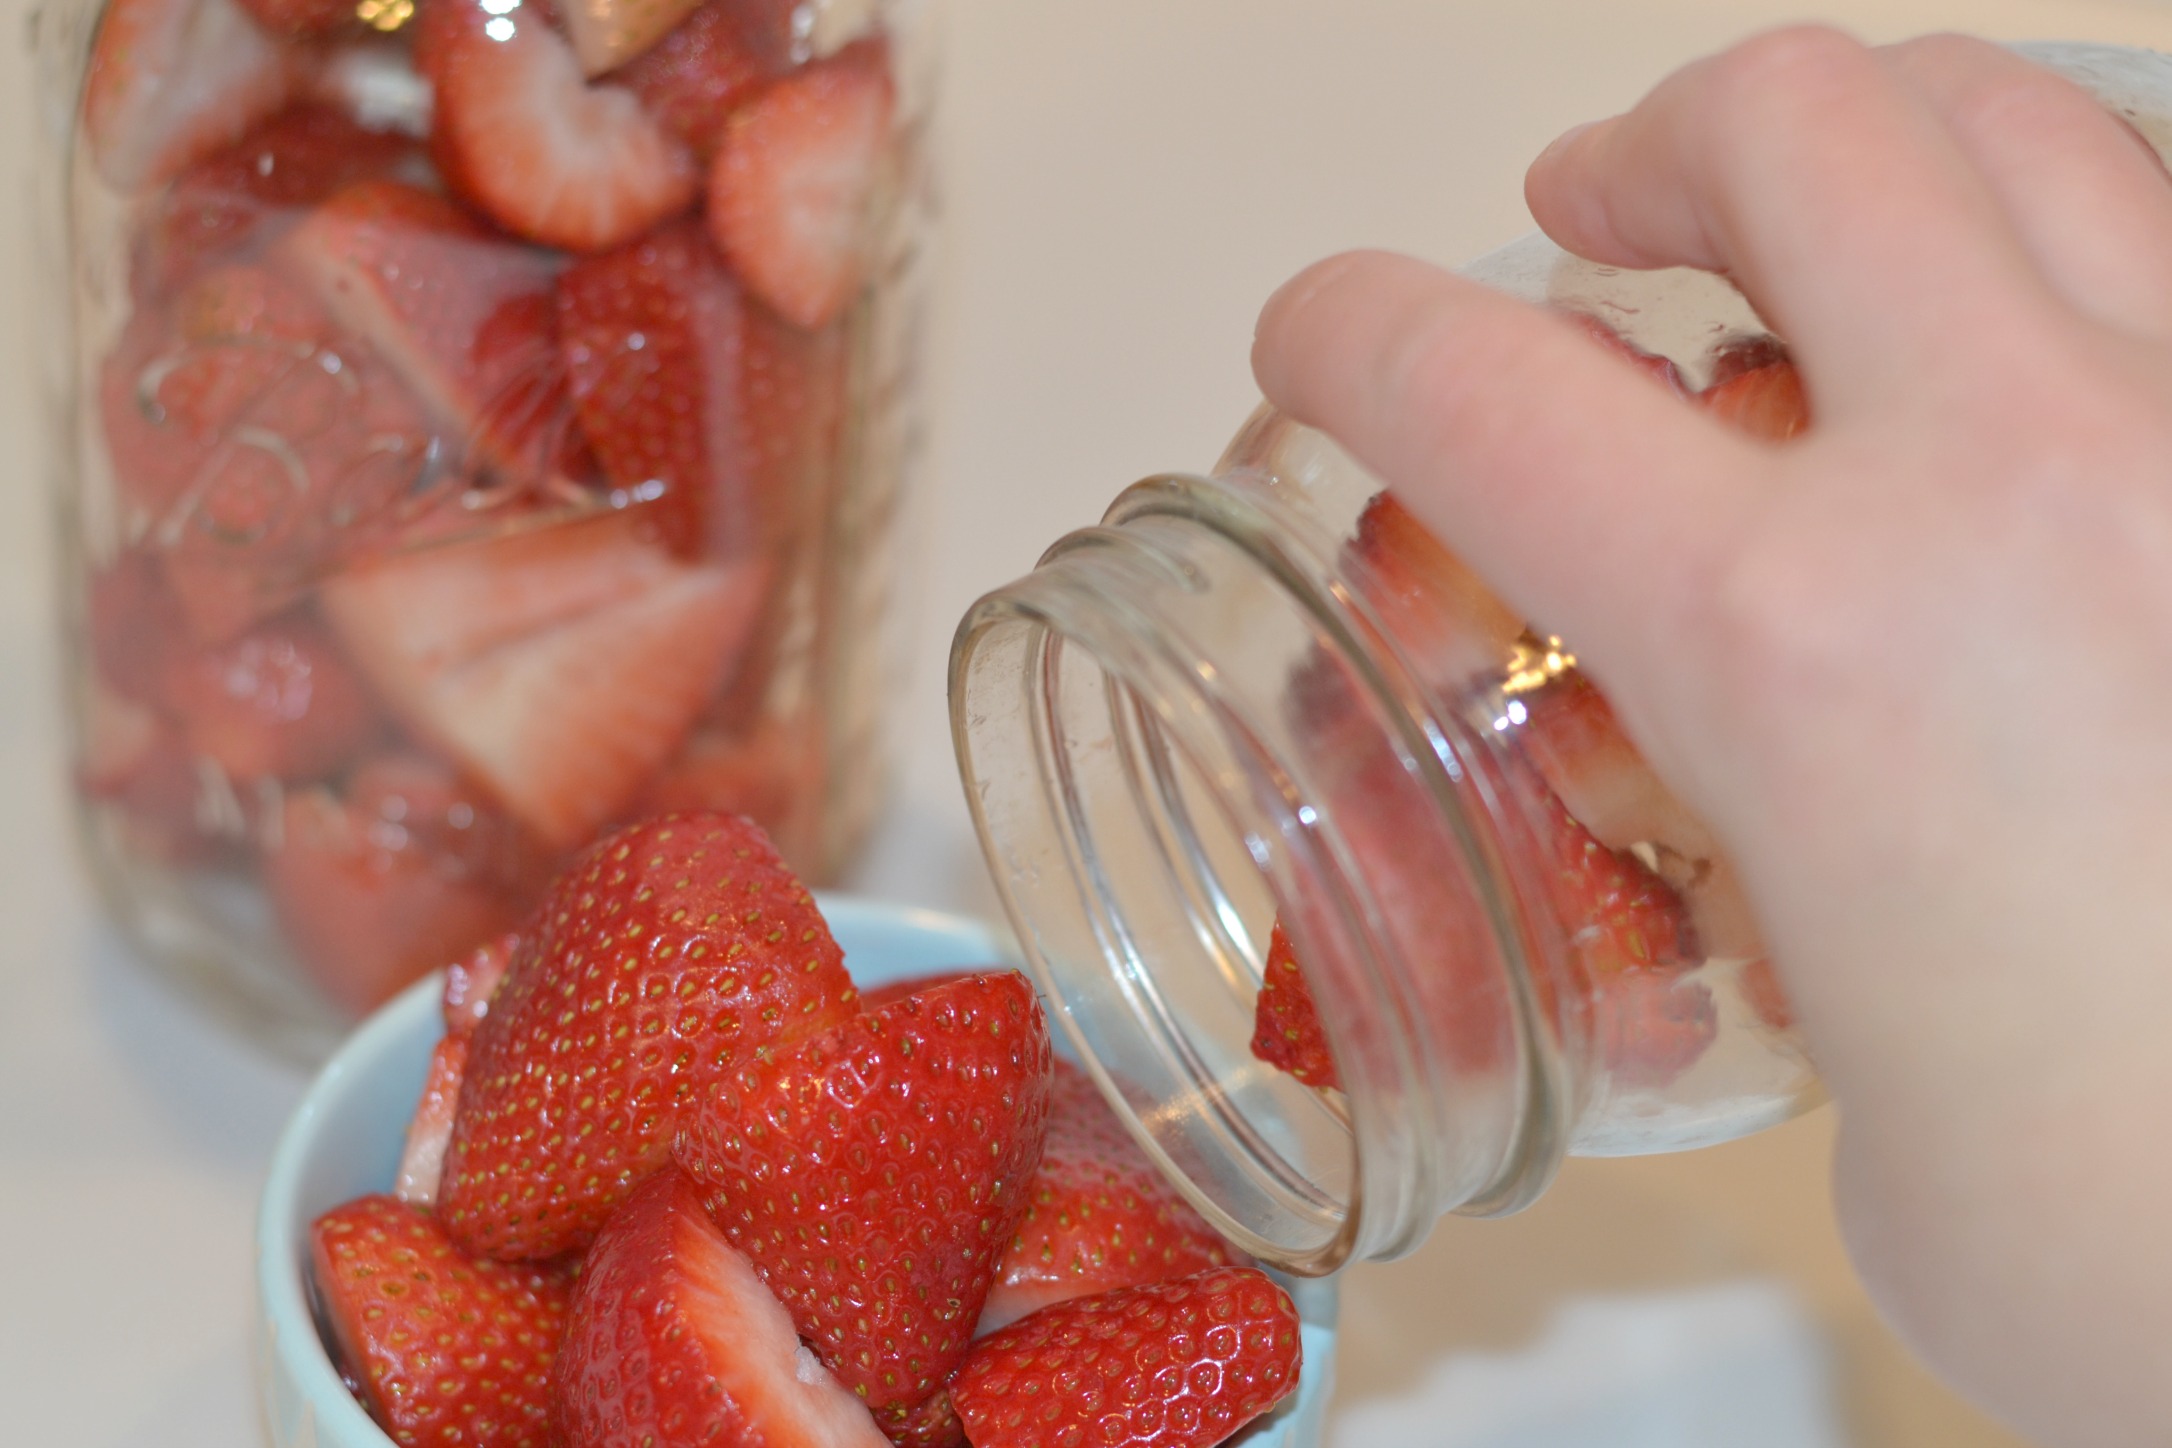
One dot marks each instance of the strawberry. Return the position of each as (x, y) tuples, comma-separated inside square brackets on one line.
[(693, 77), (523, 137), (444, 1352), (232, 202), (371, 78), (606, 34), (429, 1130), (1766, 401), (462, 316), (674, 1340), (774, 774), (558, 666), (1568, 730), (873, 1173), (671, 955), (882, 997), (1100, 1215), (278, 702), (171, 81), (471, 982), (1651, 364), (1181, 1364), (301, 18), (133, 633), (1286, 1031), (1452, 626), (152, 453), (793, 180), (930, 1423), (366, 905)]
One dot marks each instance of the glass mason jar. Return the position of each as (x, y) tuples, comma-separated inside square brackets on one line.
[(482, 422), (1342, 877)]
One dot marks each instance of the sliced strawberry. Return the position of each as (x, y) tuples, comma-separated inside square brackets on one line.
[(1766, 402), (882, 996), (521, 135), (694, 76), (559, 667), (301, 18), (793, 179), (419, 803), (444, 1352), (579, 1074), (1568, 730), (136, 762), (279, 702), (372, 80), (873, 1173), (422, 1158), (1286, 1031), (1101, 1215), (472, 981), (606, 34), (674, 1340), (173, 80), (773, 774), (133, 631), (153, 455), (461, 315), (1651, 364), (930, 1423), (1452, 625), (366, 908), (231, 202), (1173, 1365)]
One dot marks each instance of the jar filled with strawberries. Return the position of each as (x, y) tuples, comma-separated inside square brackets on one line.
[(486, 424)]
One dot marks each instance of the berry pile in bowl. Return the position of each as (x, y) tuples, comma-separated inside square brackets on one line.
[(694, 1158), (490, 414)]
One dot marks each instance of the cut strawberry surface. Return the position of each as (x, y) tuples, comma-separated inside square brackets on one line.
[(429, 1130), (301, 18), (526, 139), (608, 33), (1660, 369), (1449, 621), (1570, 733), (673, 1340), (672, 955), (171, 81), (473, 980), (876, 998), (875, 1172), (1172, 1365), (1100, 1216), (1766, 402), (1286, 1031), (790, 188), (693, 77), (133, 632), (559, 667), (279, 702), (447, 1353)]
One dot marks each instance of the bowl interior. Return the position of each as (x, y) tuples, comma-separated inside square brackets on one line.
[(344, 1141)]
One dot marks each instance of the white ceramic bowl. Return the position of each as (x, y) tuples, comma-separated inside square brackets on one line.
[(345, 1138)]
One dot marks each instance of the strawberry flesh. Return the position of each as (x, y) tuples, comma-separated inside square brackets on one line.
[(171, 81), (473, 980), (429, 1130), (1286, 1031), (693, 77), (608, 33), (671, 955), (301, 18), (1765, 402), (1451, 625), (278, 702)]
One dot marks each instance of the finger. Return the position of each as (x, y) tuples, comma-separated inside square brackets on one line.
[(2084, 194), (1567, 479), (1799, 164)]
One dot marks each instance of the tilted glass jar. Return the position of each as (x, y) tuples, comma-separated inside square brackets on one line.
[(482, 422), (1343, 878)]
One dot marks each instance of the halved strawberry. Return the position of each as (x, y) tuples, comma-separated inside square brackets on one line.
[(773, 774), (1660, 369), (606, 34), (672, 955), (371, 78), (874, 1172), (463, 316), (133, 631), (1286, 1031), (1449, 621), (673, 1339), (1766, 402), (279, 702), (471, 982), (793, 180), (301, 18), (1181, 1364), (559, 667), (881, 997), (444, 1352), (366, 904), (422, 1157), (695, 75), (173, 80), (521, 135), (1101, 1215), (1569, 731)]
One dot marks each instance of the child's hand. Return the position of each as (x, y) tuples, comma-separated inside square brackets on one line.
[(1915, 667)]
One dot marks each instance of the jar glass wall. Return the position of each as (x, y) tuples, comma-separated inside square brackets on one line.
[(473, 437)]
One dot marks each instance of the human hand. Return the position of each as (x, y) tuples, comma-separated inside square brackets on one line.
[(1914, 667)]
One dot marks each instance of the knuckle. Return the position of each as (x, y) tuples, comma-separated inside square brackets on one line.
[(1789, 61)]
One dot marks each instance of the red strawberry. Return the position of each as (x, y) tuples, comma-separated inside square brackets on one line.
[(422, 1158), (1286, 1031), (1453, 627), (674, 1340), (874, 1172), (471, 982), (172, 80), (301, 18), (559, 666), (279, 702), (462, 316), (135, 761), (773, 774), (1173, 1365), (608, 33), (133, 631), (1651, 364), (791, 187), (365, 905), (673, 954), (1101, 1215), (154, 456), (695, 75), (882, 997), (526, 139), (371, 77), (445, 1353), (930, 1423), (1568, 730), (1766, 402)]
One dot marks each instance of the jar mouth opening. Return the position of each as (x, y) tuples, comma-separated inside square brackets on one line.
[(1146, 832)]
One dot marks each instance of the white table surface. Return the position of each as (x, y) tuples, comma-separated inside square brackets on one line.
[(1126, 181)]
